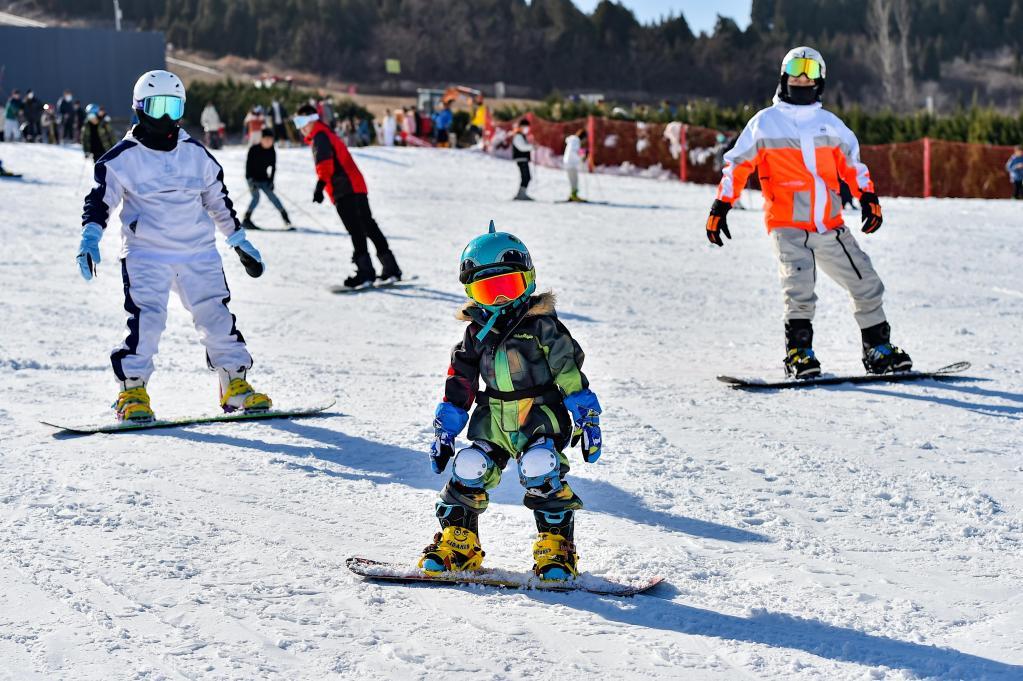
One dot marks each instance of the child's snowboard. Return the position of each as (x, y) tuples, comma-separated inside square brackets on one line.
[(895, 377), (127, 426), (393, 572)]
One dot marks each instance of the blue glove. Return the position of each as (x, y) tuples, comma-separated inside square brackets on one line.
[(448, 422), (88, 250), (585, 410), (248, 254)]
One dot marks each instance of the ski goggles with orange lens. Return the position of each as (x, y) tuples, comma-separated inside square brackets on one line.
[(803, 65), (499, 289), (159, 106)]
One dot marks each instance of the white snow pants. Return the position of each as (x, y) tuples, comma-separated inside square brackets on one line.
[(12, 131), (838, 255), (573, 178), (202, 289)]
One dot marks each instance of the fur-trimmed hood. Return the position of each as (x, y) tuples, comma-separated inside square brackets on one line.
[(539, 305)]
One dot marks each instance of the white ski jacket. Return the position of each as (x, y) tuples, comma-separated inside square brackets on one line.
[(571, 158), (172, 199)]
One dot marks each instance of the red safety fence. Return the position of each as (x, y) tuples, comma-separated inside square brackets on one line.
[(921, 168)]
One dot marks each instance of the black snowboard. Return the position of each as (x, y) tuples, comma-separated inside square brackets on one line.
[(949, 371)]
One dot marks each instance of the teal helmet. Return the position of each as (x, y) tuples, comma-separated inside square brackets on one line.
[(494, 253), (497, 273)]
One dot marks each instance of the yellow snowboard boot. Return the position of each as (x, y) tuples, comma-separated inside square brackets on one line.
[(133, 402), (554, 557), (236, 393), (455, 549)]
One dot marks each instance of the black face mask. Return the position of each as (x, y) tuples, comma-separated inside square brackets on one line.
[(156, 133), (801, 96)]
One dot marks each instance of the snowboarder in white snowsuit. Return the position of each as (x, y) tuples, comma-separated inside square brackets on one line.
[(173, 196), (572, 160), (800, 151)]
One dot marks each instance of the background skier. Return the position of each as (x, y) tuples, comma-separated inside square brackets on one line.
[(1014, 166), (97, 135), (572, 160), (536, 395), (12, 117), (522, 154), (260, 168), (337, 173), (800, 150), (174, 194)]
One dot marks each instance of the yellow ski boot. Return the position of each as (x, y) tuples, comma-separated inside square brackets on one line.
[(554, 557), (236, 393), (455, 549), (133, 402)]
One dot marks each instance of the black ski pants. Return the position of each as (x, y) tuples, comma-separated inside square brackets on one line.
[(1017, 190), (524, 173), (353, 209)]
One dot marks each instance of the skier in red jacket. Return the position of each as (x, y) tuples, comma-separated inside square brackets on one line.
[(340, 177)]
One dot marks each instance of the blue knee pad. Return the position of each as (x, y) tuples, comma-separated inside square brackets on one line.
[(540, 469), (472, 466)]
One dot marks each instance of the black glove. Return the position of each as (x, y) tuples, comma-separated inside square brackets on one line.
[(318, 192), (871, 211), (254, 268), (717, 223)]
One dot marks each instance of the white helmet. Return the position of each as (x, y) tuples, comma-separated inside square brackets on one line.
[(804, 53), (156, 83), (797, 62)]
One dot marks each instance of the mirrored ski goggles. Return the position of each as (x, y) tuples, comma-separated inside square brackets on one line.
[(159, 106), (801, 65), (499, 289)]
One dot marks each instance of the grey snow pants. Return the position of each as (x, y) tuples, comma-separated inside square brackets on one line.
[(836, 253)]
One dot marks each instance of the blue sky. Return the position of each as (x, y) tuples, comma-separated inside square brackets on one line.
[(700, 14)]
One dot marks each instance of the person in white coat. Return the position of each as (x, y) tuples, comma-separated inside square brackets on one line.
[(174, 200), (389, 129), (572, 161), (211, 124)]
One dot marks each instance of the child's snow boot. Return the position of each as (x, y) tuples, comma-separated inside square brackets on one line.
[(133, 402), (364, 275), (455, 549), (236, 393), (879, 355), (554, 557), (800, 362), (575, 198), (247, 222), (287, 220), (522, 195)]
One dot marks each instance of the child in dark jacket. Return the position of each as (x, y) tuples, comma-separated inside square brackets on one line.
[(260, 168), (537, 402)]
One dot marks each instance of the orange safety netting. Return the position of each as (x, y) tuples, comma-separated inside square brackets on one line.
[(693, 154)]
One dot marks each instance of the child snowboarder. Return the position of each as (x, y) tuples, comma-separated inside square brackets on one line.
[(174, 193), (260, 168), (536, 402), (522, 154), (572, 160), (800, 151), (337, 173)]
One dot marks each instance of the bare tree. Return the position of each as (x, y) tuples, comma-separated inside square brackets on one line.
[(904, 22), (880, 16)]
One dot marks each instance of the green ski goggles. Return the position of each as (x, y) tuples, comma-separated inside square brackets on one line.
[(159, 106)]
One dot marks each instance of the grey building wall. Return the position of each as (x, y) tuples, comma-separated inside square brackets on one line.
[(97, 65)]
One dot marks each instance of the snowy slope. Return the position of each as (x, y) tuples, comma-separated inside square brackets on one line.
[(837, 533)]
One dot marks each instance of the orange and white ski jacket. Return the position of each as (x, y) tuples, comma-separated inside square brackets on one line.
[(799, 153)]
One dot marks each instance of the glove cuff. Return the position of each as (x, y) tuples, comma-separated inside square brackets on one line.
[(236, 238), (449, 418), (582, 405), (91, 230)]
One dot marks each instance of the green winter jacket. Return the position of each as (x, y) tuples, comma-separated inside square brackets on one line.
[(528, 363)]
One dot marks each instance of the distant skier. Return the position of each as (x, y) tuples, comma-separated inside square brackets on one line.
[(340, 177), (522, 154), (572, 160), (174, 194), (800, 151), (33, 128), (211, 124), (66, 116), (13, 110), (1014, 166), (537, 402), (260, 169), (97, 135)]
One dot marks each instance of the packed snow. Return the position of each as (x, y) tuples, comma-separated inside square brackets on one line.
[(830, 533)]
